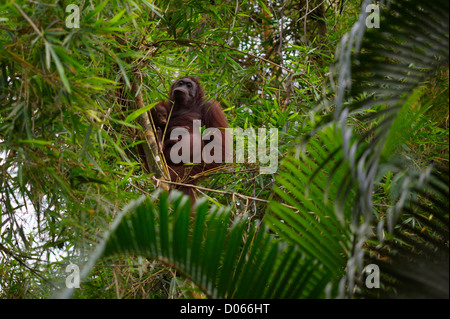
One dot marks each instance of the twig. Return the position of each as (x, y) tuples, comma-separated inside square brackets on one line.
[(29, 20), (234, 194), (20, 261), (151, 148), (185, 41)]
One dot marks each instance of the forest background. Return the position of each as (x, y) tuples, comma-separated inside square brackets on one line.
[(362, 112)]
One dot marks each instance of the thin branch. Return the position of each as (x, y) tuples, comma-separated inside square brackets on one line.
[(233, 194), (222, 46), (20, 261), (29, 21), (151, 148)]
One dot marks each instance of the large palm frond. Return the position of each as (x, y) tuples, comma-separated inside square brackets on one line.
[(379, 70), (309, 220), (414, 260), (225, 257)]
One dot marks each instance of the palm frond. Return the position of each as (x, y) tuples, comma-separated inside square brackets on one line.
[(225, 257), (414, 260), (379, 70), (308, 220)]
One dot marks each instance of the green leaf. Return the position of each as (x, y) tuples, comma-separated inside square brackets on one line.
[(60, 69), (96, 10), (218, 254), (138, 112)]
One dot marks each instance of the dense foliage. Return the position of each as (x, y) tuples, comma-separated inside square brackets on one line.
[(362, 118)]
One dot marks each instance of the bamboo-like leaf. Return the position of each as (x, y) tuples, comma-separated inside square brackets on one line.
[(96, 10), (60, 68), (138, 112)]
